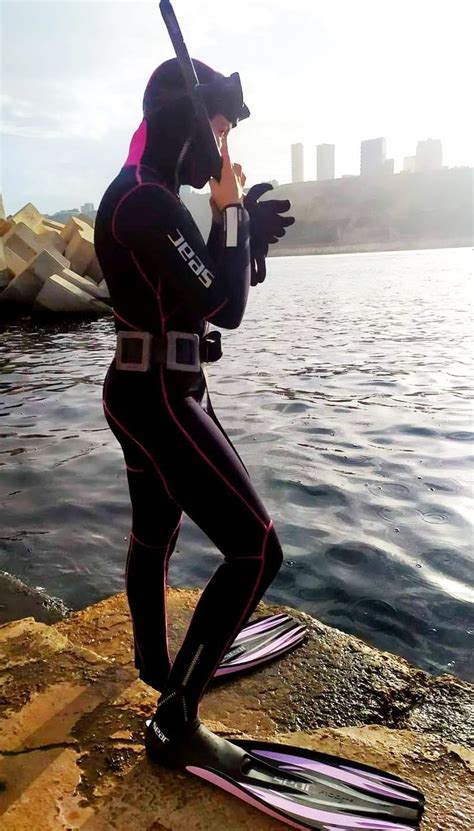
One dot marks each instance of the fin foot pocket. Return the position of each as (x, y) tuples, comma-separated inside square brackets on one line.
[(197, 746)]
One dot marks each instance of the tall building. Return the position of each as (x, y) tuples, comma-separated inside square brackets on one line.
[(429, 155), (87, 208), (409, 164), (297, 163), (325, 154), (372, 156), (389, 167)]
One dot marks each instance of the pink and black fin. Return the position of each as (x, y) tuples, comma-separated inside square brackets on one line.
[(302, 788), (259, 642)]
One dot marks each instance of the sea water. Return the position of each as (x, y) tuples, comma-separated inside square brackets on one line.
[(347, 391)]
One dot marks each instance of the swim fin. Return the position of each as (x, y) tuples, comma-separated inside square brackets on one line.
[(302, 788), (259, 642)]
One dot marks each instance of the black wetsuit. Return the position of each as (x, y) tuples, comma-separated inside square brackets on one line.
[(178, 456)]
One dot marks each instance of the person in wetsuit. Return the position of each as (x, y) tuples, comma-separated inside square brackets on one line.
[(164, 279)]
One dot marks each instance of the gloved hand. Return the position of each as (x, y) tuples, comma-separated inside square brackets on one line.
[(266, 226)]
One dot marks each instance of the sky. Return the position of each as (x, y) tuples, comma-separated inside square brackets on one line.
[(73, 75)]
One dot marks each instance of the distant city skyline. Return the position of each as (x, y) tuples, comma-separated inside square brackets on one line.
[(297, 162), (325, 162), (373, 160), (74, 73)]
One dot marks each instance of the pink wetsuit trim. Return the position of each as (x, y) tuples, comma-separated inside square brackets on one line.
[(214, 312), (134, 538), (145, 451), (122, 319), (129, 193), (243, 616), (193, 443)]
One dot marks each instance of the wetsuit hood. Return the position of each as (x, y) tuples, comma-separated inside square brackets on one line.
[(169, 138)]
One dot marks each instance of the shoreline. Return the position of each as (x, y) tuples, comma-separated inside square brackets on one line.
[(73, 710), (18, 600), (368, 248)]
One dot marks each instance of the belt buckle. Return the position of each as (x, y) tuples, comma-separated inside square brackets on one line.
[(183, 345), (125, 348)]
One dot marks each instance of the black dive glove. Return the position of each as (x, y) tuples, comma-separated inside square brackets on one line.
[(266, 226)]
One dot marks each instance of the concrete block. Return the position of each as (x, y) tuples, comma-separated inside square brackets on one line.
[(80, 250), (23, 289), (4, 273), (21, 246), (51, 224), (100, 292), (52, 238), (73, 225), (5, 225), (59, 295), (30, 216), (87, 219), (104, 289), (47, 263), (94, 271)]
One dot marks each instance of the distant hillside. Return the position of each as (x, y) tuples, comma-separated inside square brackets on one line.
[(408, 210), (391, 210), (405, 210)]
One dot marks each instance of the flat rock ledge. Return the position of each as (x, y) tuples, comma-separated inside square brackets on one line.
[(72, 712)]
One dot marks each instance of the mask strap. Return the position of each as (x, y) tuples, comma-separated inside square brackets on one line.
[(181, 156)]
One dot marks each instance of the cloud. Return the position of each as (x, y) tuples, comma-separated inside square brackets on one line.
[(86, 110), (73, 74)]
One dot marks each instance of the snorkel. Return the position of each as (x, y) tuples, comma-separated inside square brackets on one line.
[(228, 96), (266, 223)]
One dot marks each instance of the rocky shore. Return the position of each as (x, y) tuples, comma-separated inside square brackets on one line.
[(17, 600), (73, 712)]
